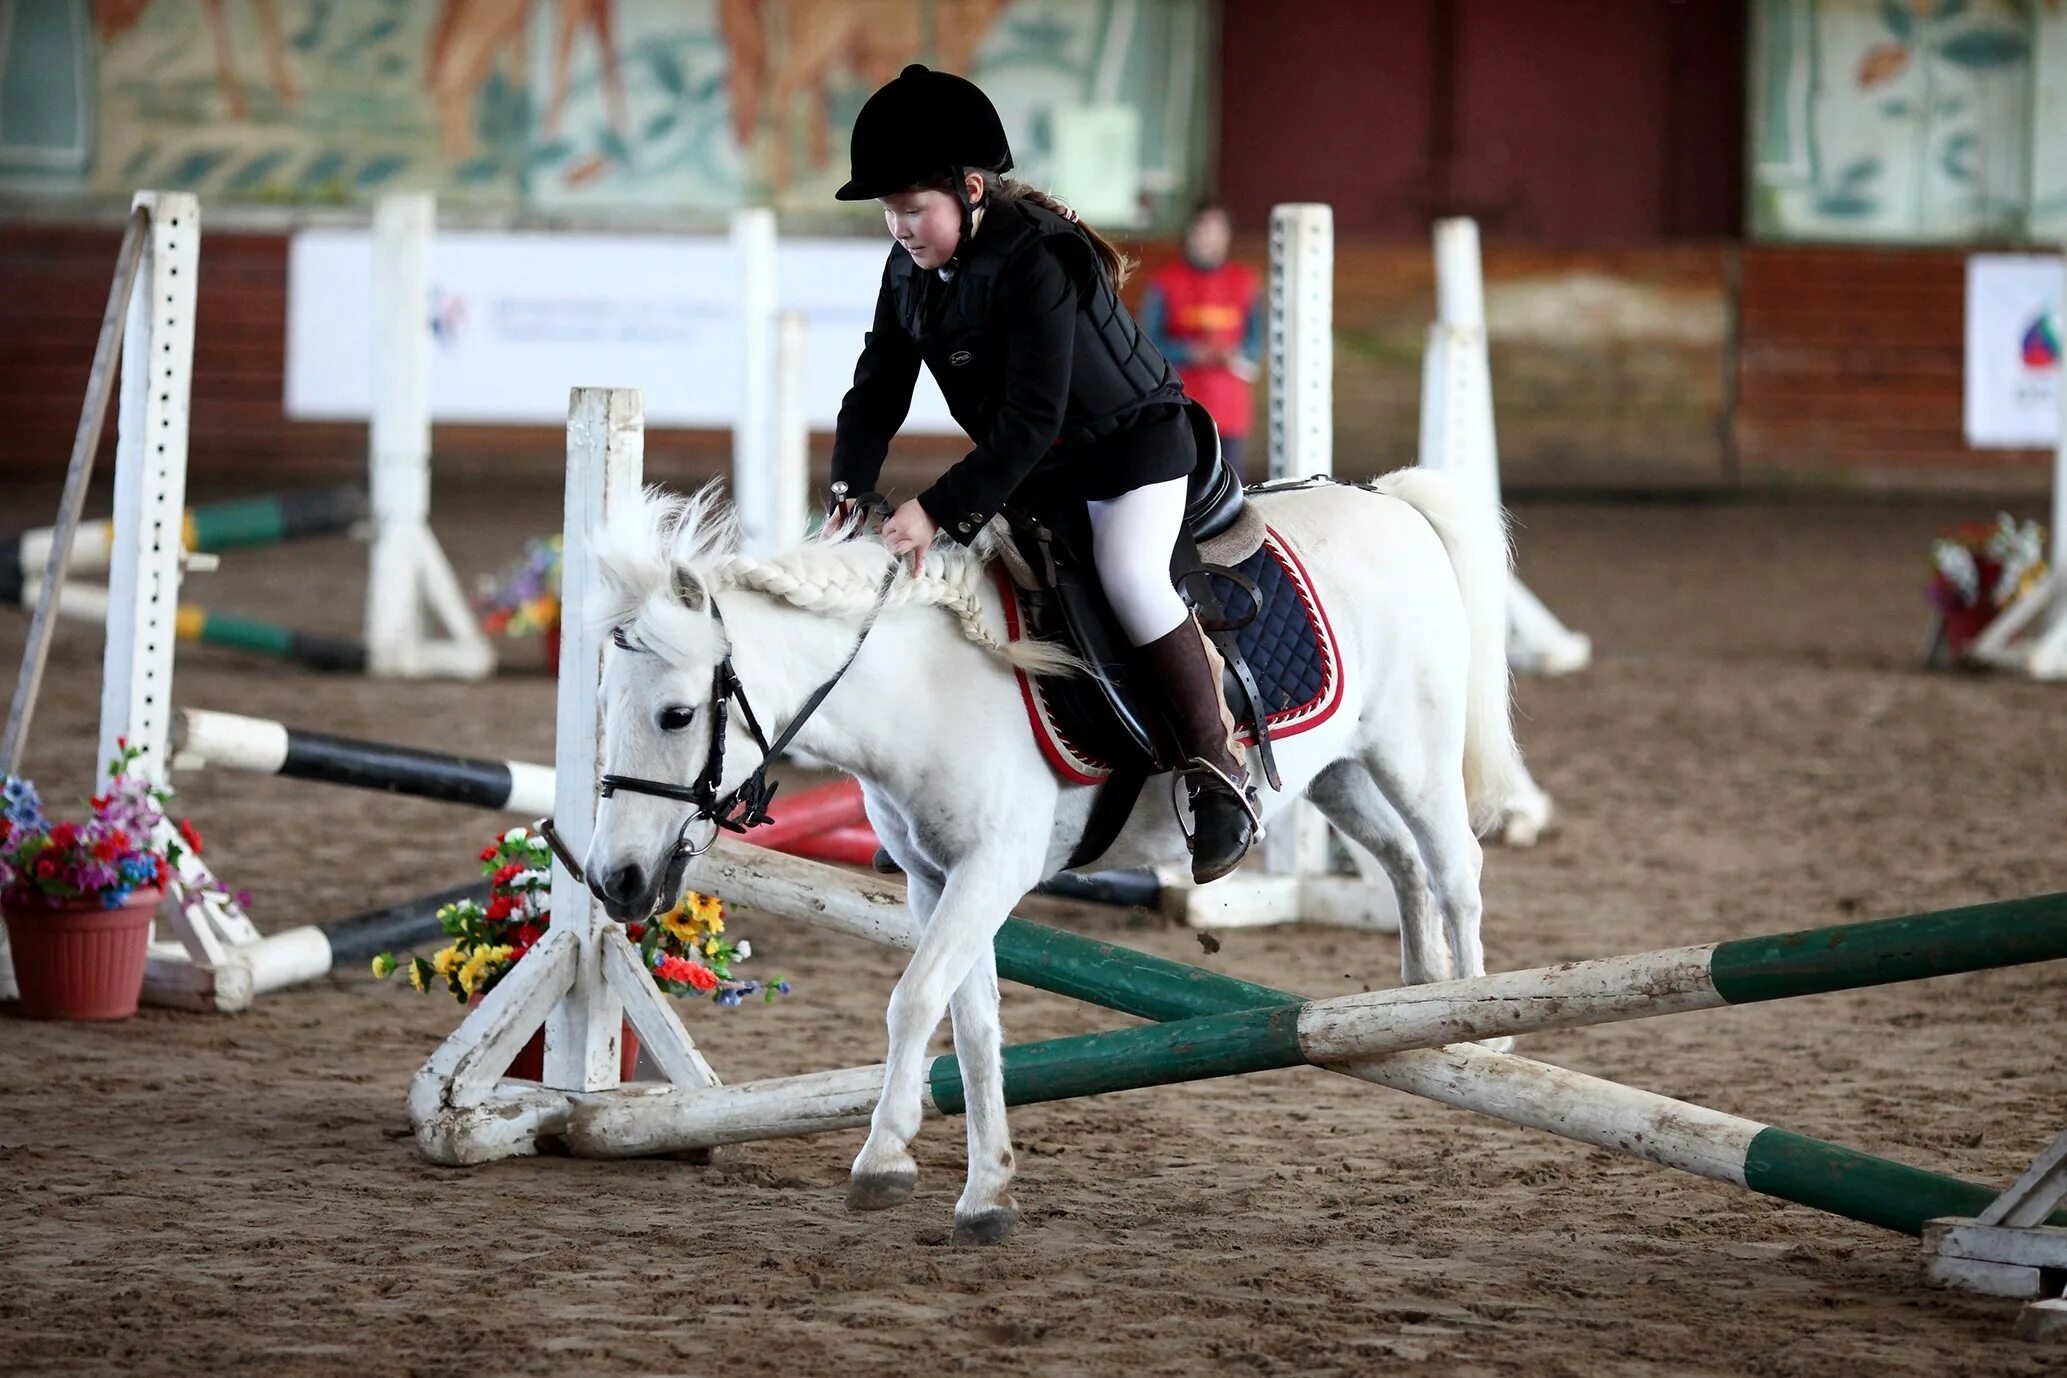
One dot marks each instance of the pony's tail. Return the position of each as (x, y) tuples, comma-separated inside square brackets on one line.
[(1481, 556)]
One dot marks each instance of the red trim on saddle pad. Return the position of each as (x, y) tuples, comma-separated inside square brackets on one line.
[(1078, 766)]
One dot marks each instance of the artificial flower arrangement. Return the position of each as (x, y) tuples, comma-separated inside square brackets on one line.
[(524, 596), (79, 898), (103, 861), (1977, 570), (685, 949)]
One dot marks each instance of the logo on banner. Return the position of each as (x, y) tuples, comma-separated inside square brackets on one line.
[(2041, 346), (448, 317)]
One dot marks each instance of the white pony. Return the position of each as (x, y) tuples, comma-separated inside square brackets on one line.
[(1419, 758)]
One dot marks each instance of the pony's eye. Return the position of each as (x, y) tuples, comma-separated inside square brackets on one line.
[(675, 719)]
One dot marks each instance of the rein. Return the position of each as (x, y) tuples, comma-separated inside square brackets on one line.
[(745, 806)]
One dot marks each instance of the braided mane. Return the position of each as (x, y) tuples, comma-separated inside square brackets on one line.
[(665, 544)]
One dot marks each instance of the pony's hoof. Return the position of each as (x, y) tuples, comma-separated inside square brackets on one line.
[(1503, 1044), (985, 1227), (879, 1191)]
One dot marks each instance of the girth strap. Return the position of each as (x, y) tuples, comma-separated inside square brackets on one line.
[(1110, 809)]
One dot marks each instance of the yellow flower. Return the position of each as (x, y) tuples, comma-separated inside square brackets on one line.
[(475, 972), (710, 912), (416, 975), (678, 925), (384, 965), (448, 961)]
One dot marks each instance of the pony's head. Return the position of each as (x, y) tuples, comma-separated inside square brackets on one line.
[(658, 561)]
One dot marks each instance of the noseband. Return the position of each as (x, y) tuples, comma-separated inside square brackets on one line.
[(746, 805)]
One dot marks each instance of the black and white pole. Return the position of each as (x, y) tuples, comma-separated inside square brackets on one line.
[(231, 741)]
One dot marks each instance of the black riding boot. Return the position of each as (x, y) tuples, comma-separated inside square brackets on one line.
[(1216, 773)]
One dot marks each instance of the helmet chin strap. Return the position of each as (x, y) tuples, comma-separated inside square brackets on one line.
[(969, 211)]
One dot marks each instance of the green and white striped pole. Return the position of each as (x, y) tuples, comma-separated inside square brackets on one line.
[(1222, 1026)]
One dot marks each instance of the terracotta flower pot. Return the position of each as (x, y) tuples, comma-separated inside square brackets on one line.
[(74, 959), (529, 1063)]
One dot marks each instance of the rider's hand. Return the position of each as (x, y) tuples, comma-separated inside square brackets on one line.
[(910, 531)]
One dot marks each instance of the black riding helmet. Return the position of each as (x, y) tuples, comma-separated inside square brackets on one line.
[(923, 125)]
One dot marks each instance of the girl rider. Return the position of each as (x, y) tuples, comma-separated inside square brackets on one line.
[(1011, 302)]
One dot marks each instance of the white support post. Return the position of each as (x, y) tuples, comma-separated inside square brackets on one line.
[(418, 624), (585, 978), (605, 457), (755, 484), (1301, 341), (1294, 879), (1457, 434), (790, 491), (144, 572)]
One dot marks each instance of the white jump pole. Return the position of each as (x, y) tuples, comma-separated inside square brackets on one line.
[(1457, 434), (755, 463), (410, 585)]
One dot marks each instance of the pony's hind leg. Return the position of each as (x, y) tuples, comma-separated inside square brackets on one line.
[(1434, 811), (1349, 798)]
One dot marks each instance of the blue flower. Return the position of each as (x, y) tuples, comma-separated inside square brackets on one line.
[(782, 988), (114, 897), (24, 808)]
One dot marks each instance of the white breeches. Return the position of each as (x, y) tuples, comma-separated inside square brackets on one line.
[(1131, 539)]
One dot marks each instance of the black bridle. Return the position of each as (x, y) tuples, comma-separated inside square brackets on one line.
[(746, 805)]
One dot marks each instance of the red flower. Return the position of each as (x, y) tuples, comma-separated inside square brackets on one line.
[(6, 829), (528, 933), (106, 850), (488, 852), (120, 839), (682, 969), (636, 932), (505, 874), (517, 952), (164, 872), (500, 906), (191, 834), (46, 867), (64, 835)]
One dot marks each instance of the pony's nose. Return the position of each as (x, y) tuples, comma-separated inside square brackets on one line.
[(620, 889)]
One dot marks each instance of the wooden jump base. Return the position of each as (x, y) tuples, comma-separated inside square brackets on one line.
[(1218, 1025)]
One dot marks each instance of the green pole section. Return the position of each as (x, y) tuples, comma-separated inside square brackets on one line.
[(1847, 956), (1194, 1049), (1807, 1171), (1893, 1196), (269, 520), (312, 649)]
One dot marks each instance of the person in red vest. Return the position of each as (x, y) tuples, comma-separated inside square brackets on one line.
[(1205, 316)]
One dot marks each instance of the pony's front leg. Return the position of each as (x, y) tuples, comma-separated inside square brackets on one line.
[(973, 904), (986, 1212)]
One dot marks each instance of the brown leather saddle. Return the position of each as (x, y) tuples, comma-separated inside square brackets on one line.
[(1115, 709)]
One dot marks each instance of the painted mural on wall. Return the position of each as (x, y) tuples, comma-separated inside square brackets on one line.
[(1918, 121), (566, 107)]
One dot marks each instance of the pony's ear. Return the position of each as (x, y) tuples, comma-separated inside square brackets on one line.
[(688, 589)]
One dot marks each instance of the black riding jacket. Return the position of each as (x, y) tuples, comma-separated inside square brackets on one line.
[(1039, 362)]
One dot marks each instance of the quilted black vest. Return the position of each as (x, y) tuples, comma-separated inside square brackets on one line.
[(960, 324)]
